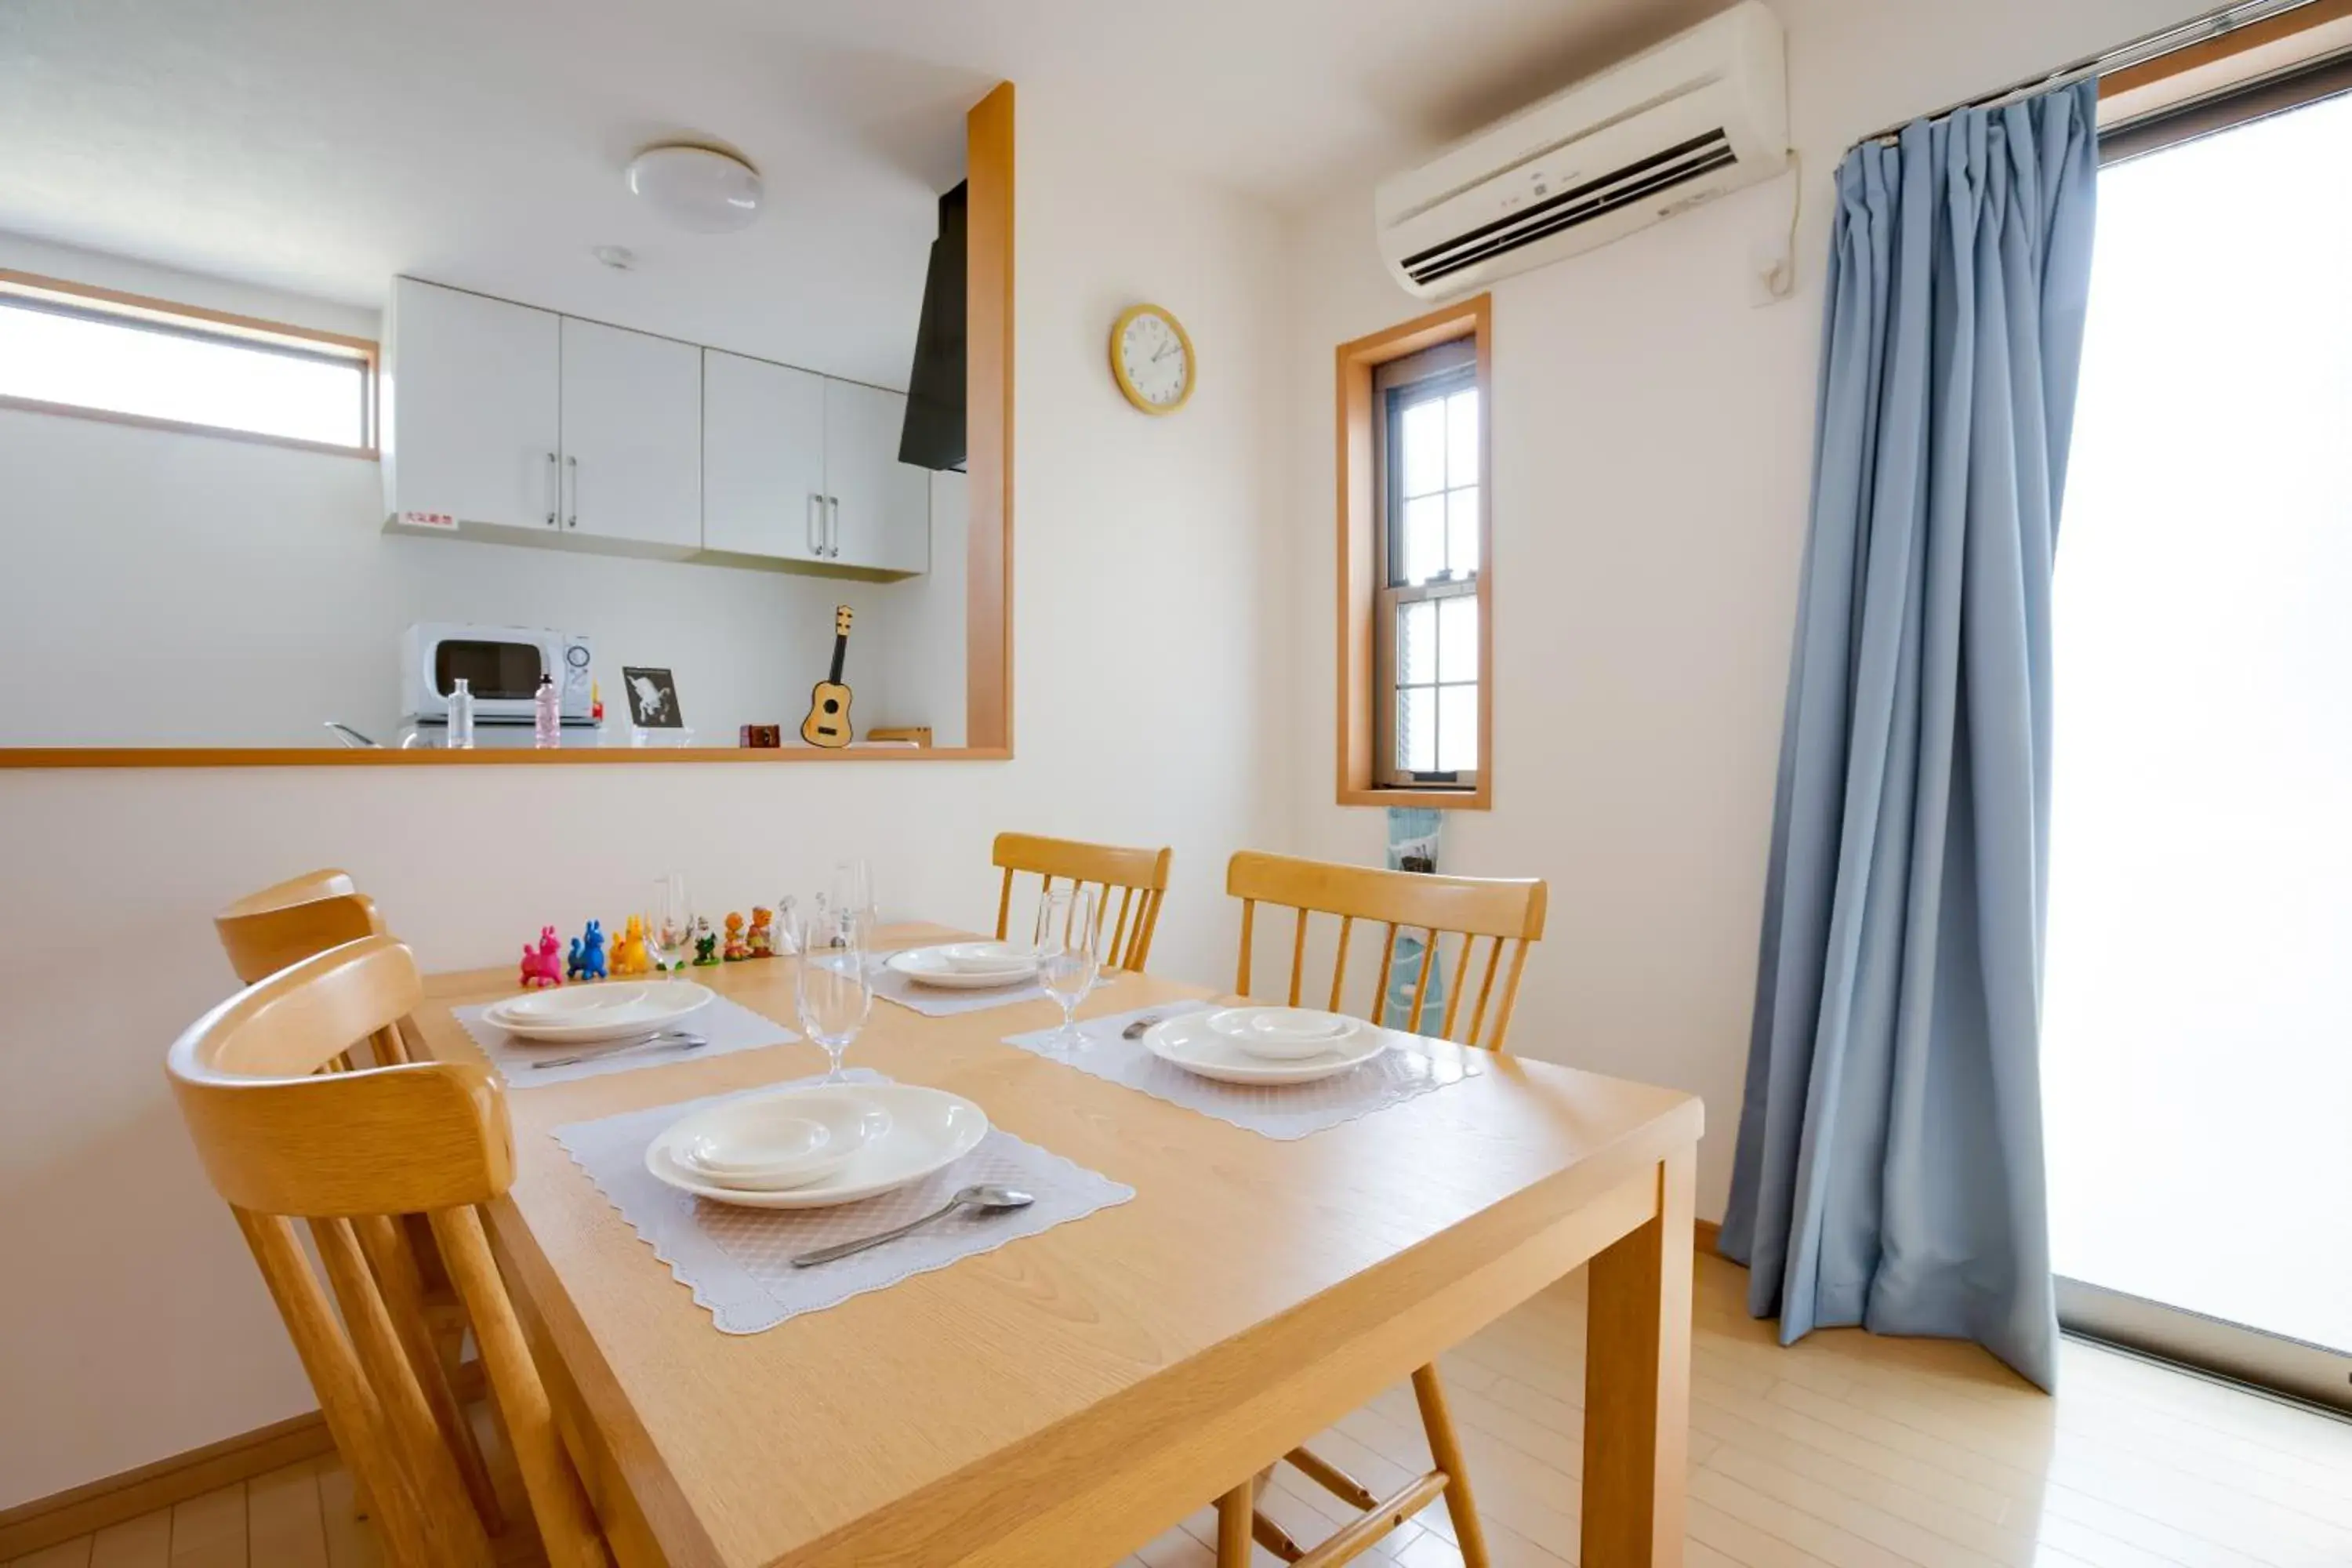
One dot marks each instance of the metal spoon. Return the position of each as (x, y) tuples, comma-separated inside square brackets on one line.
[(667, 1040), (988, 1198)]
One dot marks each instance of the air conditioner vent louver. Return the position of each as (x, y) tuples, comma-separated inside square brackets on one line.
[(1701, 115), (1595, 198)]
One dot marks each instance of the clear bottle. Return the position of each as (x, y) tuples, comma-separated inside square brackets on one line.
[(546, 714), (461, 714)]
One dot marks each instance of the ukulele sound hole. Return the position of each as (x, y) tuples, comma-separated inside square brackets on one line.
[(831, 706)]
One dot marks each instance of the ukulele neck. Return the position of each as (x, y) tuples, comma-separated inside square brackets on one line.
[(840, 653)]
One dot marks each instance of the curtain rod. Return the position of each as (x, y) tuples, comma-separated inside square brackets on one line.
[(2140, 50)]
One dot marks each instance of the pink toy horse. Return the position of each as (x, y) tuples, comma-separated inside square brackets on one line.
[(545, 966)]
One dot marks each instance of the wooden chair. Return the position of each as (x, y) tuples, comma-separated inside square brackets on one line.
[(349, 1153), (1505, 914), (273, 930), (1139, 875)]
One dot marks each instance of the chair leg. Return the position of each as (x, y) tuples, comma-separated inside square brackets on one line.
[(1447, 1452), (1236, 1516)]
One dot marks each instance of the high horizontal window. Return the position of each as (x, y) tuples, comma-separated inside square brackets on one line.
[(67, 350)]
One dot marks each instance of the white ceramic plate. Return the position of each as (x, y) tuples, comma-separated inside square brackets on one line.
[(1283, 1034), (929, 1130), (1189, 1042), (931, 966), (576, 1015), (771, 1141), (978, 956)]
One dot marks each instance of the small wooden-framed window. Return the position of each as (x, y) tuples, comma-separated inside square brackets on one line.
[(1416, 629), (69, 348)]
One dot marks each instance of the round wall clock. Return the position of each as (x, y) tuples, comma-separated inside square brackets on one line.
[(1152, 359)]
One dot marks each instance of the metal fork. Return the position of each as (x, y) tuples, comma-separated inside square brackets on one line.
[(667, 1040)]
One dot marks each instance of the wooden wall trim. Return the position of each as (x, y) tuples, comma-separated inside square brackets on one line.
[(43, 1522), (988, 370), (1355, 363), (2237, 41)]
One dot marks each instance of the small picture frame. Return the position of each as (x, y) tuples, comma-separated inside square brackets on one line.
[(653, 699)]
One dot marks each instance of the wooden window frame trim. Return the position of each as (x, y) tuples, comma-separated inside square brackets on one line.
[(137, 308), (1359, 566)]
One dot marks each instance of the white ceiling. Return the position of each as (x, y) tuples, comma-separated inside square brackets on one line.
[(320, 146)]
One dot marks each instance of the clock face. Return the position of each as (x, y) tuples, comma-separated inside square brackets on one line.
[(1154, 360)]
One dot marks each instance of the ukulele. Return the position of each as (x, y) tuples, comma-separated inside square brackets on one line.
[(827, 723)]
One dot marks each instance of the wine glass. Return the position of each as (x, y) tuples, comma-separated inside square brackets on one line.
[(833, 988), (1068, 925), (853, 890), (669, 924)]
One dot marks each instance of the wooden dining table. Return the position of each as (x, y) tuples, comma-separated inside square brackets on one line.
[(1067, 1397)]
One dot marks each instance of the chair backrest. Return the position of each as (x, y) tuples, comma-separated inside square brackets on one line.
[(265, 931), (1139, 877), (1504, 912), (351, 1151), (291, 920)]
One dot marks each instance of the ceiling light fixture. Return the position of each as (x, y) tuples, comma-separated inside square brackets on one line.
[(619, 257), (700, 189)]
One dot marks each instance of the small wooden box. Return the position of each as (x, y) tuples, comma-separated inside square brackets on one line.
[(760, 736)]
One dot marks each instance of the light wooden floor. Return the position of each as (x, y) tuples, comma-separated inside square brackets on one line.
[(1846, 1450)]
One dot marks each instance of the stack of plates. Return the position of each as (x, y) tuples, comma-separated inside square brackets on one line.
[(581, 1014), (967, 966), (1265, 1045), (815, 1146)]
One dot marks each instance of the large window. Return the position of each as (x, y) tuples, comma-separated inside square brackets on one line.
[(67, 349), (1415, 595)]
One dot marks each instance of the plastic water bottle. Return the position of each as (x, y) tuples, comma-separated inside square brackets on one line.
[(546, 714), (461, 714)]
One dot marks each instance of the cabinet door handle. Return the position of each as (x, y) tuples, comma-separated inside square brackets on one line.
[(833, 526), (816, 524), (572, 517), (554, 490)]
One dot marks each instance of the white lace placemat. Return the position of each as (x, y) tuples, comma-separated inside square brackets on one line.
[(738, 1261), (939, 1002), (1412, 1064), (729, 1027)]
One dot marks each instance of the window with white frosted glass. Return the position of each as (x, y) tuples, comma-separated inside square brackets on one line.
[(1427, 475), (67, 354)]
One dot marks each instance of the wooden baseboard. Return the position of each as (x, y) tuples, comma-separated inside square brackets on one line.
[(31, 1526), (1708, 1236)]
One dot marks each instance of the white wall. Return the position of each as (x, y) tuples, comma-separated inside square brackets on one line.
[(1652, 449), (134, 1326), (180, 589)]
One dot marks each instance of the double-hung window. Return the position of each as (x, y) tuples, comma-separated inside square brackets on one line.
[(1416, 584)]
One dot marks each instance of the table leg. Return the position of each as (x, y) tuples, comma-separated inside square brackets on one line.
[(1235, 1537), (1637, 1385)]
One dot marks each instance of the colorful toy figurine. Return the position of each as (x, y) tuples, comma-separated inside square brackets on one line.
[(629, 954), (706, 943), (587, 961), (736, 950), (762, 938), (543, 965)]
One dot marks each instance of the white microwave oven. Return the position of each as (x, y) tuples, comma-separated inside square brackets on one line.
[(501, 666)]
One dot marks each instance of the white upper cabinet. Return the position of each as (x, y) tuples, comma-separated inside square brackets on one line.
[(501, 415), (762, 458), (471, 427), (880, 508), (632, 435)]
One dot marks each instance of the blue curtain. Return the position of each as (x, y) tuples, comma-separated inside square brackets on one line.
[(1889, 1170)]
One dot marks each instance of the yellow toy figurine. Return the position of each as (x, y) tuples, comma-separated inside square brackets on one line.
[(629, 954), (736, 949), (761, 938)]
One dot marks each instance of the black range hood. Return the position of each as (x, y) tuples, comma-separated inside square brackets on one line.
[(933, 436)]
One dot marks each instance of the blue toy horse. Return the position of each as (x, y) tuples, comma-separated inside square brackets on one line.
[(586, 961)]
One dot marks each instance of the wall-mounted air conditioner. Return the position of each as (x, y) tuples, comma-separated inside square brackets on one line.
[(1705, 112)]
